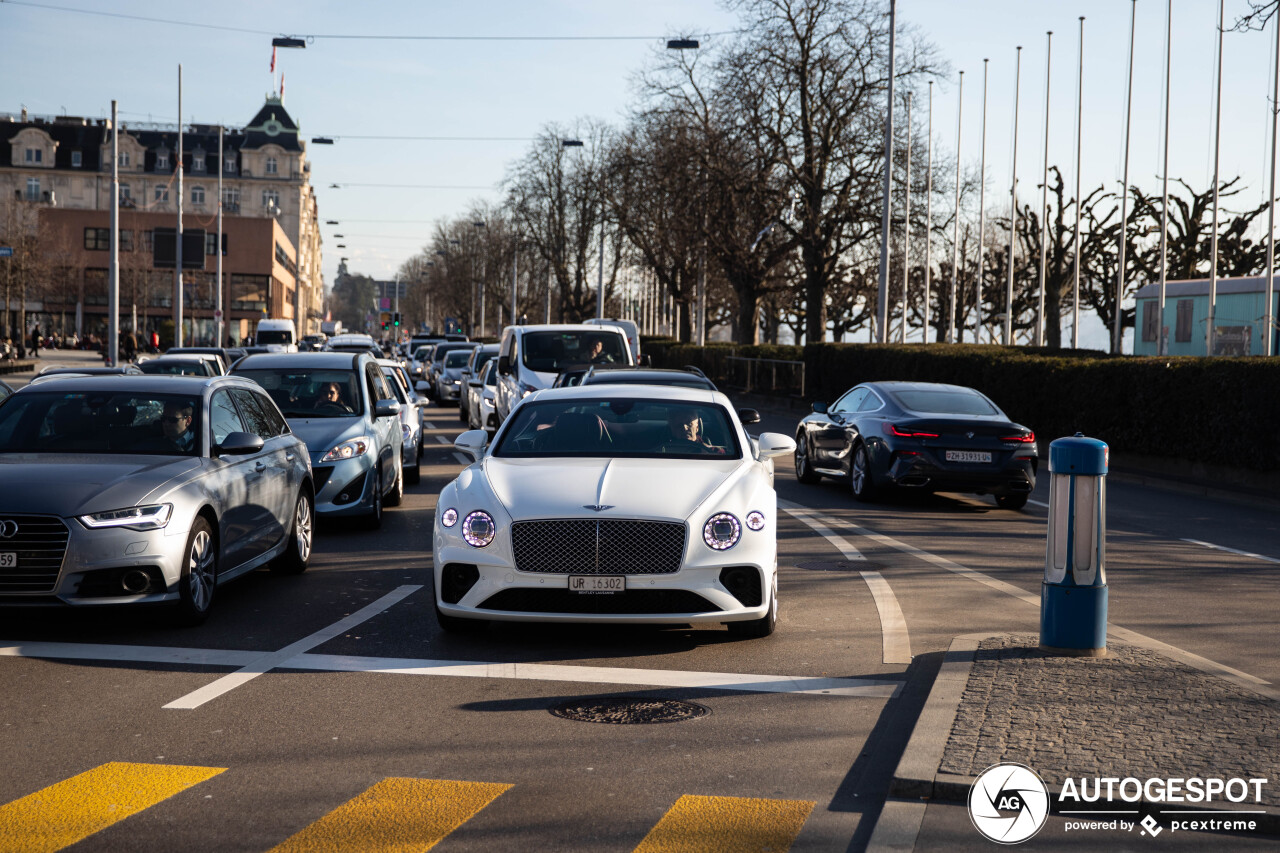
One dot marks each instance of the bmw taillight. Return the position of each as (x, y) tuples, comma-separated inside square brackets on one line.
[(890, 429), (1029, 438)]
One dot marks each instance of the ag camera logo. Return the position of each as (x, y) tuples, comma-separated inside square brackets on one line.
[(1008, 803)]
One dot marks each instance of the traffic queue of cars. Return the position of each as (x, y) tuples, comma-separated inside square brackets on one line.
[(626, 495)]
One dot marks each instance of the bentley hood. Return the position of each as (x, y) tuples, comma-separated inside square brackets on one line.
[(628, 488), (71, 484)]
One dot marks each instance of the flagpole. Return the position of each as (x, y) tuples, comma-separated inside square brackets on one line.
[(928, 218), (113, 274), (906, 230), (882, 297), (1013, 204), (1213, 240), (1162, 345), (982, 211), (220, 314), (1075, 287), (955, 225), (1044, 195), (177, 278), (1268, 328), (1117, 331)]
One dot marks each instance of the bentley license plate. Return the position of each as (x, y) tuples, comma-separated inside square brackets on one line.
[(968, 456), (8, 560), (597, 583)]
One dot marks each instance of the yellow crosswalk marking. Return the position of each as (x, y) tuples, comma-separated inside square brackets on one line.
[(62, 814), (396, 816), (727, 825)]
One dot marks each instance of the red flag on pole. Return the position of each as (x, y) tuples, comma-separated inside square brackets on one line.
[(282, 85), (273, 59)]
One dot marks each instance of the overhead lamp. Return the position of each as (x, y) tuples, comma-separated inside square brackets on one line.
[(288, 41), (571, 143), (321, 140), (338, 236), (341, 246), (682, 44), (334, 187), (331, 222)]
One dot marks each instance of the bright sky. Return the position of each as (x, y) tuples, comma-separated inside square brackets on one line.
[(55, 61)]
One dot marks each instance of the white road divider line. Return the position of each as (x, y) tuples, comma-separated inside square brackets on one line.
[(893, 626), (270, 660), (822, 525), (129, 654), (1232, 550), (864, 687)]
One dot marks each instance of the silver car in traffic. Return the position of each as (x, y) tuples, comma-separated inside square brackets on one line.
[(147, 490)]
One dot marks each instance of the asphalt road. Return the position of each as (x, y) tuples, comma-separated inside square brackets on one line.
[(328, 708)]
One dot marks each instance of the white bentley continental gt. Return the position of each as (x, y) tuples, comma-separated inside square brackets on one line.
[(640, 504)]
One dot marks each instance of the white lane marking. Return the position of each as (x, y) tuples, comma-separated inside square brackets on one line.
[(428, 425), (1192, 659), (1232, 550), (864, 687), (271, 660), (822, 525), (440, 439), (893, 626), (941, 562), (130, 654), (860, 687), (1038, 503)]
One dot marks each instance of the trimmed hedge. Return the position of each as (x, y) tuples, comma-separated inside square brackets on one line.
[(1219, 411)]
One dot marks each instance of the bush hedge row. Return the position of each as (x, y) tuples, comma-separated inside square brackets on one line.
[(1219, 411)]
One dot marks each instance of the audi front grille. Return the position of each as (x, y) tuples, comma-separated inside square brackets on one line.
[(39, 543)]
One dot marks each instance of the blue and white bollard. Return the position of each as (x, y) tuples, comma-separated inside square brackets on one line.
[(1073, 598)]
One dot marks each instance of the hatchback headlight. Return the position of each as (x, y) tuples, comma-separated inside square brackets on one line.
[(349, 449), (153, 517), (478, 529), (721, 531)]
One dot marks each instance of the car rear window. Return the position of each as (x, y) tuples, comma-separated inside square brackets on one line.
[(955, 402)]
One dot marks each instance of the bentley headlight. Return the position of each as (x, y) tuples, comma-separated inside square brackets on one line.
[(721, 531), (449, 518), (348, 450), (407, 432), (478, 529), (153, 517), (755, 520)]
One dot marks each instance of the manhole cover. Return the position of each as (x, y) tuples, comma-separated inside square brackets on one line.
[(621, 711), (831, 566)]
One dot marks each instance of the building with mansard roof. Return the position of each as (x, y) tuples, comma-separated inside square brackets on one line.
[(55, 187)]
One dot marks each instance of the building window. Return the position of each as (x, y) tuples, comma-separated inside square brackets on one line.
[(35, 155), (211, 242), (1150, 320), (270, 199), (162, 160), (97, 239), (126, 194), (249, 292), (95, 286), (1183, 332), (149, 241), (124, 159), (272, 166), (33, 189), (162, 193), (229, 163), (197, 195), (197, 161), (126, 240), (76, 160)]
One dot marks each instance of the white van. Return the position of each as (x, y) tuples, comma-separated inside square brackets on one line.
[(628, 328), (281, 332), (531, 357)]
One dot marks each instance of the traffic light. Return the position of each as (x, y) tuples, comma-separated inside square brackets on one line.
[(395, 319)]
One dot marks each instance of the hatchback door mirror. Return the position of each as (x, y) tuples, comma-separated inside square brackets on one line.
[(820, 408), (775, 444), (748, 416), (386, 409), (504, 364), (239, 444), (471, 443)]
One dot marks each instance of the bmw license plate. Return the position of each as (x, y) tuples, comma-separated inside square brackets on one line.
[(8, 560), (968, 456), (597, 583)]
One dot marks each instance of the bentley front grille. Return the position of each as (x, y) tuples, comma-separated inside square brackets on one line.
[(598, 546)]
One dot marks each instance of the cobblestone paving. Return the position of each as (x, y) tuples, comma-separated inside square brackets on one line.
[(1132, 713)]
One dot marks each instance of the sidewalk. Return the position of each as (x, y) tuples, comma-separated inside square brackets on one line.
[(1135, 713)]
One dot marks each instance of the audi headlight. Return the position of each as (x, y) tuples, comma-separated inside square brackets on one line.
[(153, 517), (478, 529), (348, 450), (721, 531), (755, 520), (449, 518)]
